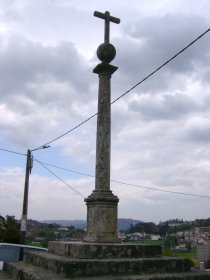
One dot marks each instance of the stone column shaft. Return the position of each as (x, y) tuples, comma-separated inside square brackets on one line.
[(102, 181), (102, 204)]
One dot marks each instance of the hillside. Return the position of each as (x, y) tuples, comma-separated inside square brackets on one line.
[(123, 223)]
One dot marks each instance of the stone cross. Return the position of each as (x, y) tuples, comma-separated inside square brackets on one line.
[(102, 203), (106, 16)]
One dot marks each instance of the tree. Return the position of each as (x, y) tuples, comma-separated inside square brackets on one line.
[(150, 228), (163, 228), (10, 230), (139, 227), (170, 241)]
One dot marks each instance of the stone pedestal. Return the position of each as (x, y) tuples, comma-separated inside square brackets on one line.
[(102, 217), (81, 250)]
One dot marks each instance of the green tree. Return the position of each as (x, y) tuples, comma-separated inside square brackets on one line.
[(10, 230), (170, 241), (163, 228), (150, 228)]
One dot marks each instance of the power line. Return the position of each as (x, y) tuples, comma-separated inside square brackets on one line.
[(67, 132), (161, 190), (133, 87), (114, 181), (13, 152), (64, 182), (69, 170), (43, 164), (128, 184), (165, 63)]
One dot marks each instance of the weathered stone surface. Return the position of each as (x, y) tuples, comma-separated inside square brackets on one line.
[(21, 271), (108, 18), (105, 68), (101, 219), (66, 267), (106, 52), (4, 275), (96, 267), (44, 266), (102, 204), (81, 250), (171, 276), (103, 131)]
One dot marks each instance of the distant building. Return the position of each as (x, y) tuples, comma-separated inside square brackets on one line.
[(155, 237), (134, 236)]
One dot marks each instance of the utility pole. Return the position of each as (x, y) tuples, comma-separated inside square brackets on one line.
[(29, 166), (29, 163)]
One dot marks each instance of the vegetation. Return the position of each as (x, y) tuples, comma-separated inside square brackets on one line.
[(10, 230), (168, 227), (39, 234)]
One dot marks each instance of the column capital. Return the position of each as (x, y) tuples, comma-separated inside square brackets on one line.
[(105, 68), (102, 195)]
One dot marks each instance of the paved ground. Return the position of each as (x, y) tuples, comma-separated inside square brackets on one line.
[(3, 276)]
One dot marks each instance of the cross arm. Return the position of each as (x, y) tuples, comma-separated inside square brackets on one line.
[(105, 16)]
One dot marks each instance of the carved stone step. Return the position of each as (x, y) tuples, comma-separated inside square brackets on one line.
[(23, 271), (4, 275), (99, 267)]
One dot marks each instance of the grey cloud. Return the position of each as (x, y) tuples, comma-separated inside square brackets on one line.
[(154, 40), (198, 130), (24, 61), (164, 107), (49, 21), (44, 88)]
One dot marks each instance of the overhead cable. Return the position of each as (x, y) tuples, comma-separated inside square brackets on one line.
[(114, 181), (128, 184), (128, 91), (13, 152), (64, 182), (160, 190)]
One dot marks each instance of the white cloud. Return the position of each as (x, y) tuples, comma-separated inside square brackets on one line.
[(46, 195), (160, 130)]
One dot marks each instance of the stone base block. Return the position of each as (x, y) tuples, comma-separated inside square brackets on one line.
[(101, 217), (82, 250)]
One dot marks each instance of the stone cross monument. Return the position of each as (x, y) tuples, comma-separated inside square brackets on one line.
[(102, 204), (98, 257)]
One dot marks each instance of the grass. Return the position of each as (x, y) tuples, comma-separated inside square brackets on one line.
[(189, 255)]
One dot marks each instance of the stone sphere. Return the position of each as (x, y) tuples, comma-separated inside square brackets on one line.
[(106, 52)]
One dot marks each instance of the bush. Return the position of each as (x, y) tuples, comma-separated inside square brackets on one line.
[(11, 235), (10, 230)]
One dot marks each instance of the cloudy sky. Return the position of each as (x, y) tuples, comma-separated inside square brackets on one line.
[(160, 130)]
